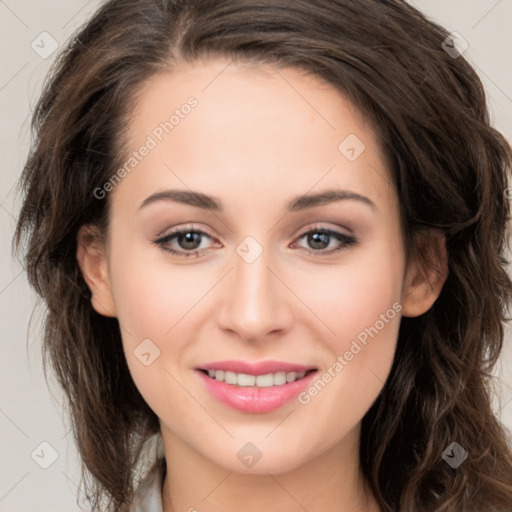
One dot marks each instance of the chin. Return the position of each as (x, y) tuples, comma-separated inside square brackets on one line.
[(255, 458)]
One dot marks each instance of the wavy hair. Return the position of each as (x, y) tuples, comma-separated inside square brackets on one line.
[(451, 170)]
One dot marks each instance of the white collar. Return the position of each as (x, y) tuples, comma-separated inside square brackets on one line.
[(148, 496)]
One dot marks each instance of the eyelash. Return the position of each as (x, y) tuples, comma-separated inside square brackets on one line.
[(347, 241)]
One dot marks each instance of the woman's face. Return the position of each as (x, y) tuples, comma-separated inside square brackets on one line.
[(264, 146)]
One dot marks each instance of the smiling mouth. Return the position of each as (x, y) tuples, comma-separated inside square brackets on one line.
[(257, 381)]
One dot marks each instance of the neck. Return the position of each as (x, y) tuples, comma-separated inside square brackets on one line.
[(330, 482)]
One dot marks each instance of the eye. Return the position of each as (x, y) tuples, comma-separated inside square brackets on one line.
[(320, 238), (188, 241)]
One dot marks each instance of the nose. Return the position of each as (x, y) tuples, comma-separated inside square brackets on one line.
[(256, 302)]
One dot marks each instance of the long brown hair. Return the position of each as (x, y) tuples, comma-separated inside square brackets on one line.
[(450, 168)]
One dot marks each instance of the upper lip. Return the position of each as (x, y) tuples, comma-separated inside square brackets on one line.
[(260, 368)]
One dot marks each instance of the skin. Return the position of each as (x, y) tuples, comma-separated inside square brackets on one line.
[(256, 139)]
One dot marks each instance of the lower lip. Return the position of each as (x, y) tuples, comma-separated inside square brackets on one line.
[(253, 399)]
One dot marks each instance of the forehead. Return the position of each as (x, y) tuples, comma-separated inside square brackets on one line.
[(253, 130), (244, 98)]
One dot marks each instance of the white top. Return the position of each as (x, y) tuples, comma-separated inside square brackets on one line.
[(148, 496)]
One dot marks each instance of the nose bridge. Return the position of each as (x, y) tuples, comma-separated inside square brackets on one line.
[(252, 277), (254, 304)]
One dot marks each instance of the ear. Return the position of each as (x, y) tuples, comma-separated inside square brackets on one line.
[(426, 273), (92, 258)]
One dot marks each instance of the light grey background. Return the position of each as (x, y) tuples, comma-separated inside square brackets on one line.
[(29, 413)]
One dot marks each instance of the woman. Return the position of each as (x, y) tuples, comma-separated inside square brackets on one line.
[(331, 168)]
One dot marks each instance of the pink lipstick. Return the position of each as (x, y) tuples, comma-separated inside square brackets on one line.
[(255, 387)]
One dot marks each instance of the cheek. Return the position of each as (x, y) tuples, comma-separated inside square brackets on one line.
[(363, 308), (140, 305), (147, 311), (150, 295), (152, 300), (357, 292)]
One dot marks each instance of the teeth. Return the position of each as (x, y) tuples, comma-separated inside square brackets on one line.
[(265, 381), (230, 378), (280, 378), (260, 381), (242, 379), (290, 377)]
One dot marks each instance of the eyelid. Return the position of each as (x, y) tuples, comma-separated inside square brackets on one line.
[(186, 227), (323, 227)]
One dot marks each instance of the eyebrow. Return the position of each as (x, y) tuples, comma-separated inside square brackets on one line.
[(299, 203)]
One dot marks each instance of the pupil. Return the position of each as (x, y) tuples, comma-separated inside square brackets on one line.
[(319, 238), (188, 238)]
